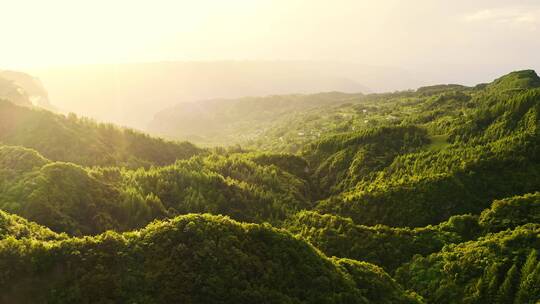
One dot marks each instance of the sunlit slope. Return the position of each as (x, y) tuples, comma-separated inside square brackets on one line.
[(390, 247), (230, 121), (131, 93), (498, 268), (69, 198), (16, 227), (492, 151), (85, 142)]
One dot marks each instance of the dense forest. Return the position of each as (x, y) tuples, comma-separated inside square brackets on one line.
[(422, 196), (90, 143)]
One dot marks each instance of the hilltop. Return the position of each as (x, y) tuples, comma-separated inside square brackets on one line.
[(83, 141), (526, 79), (190, 259)]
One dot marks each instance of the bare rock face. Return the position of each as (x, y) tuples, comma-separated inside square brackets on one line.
[(24, 89), (12, 92)]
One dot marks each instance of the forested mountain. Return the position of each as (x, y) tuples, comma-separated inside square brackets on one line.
[(225, 121), (130, 94), (16, 227), (492, 146), (497, 268), (51, 193), (83, 141), (391, 247), (425, 196), (190, 259)]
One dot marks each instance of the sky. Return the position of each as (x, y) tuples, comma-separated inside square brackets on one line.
[(408, 34)]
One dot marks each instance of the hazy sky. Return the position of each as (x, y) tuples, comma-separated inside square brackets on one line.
[(417, 34)]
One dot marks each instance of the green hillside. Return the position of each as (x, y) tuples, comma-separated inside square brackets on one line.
[(390, 247), (69, 198), (242, 120), (190, 259), (420, 196), (85, 142), (498, 268), (517, 80), (493, 147), (12, 226)]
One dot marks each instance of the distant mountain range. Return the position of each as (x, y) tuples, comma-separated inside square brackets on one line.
[(106, 92), (222, 121)]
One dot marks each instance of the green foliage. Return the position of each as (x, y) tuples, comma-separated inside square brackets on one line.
[(293, 164), (342, 161), (381, 245), (482, 271), (517, 80), (438, 142), (494, 149), (245, 120), (19, 159), (233, 185), (437, 186), (80, 201), (189, 259), (501, 115), (529, 290), (17, 227), (376, 283), (507, 290), (440, 88), (391, 247), (84, 142), (512, 212)]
